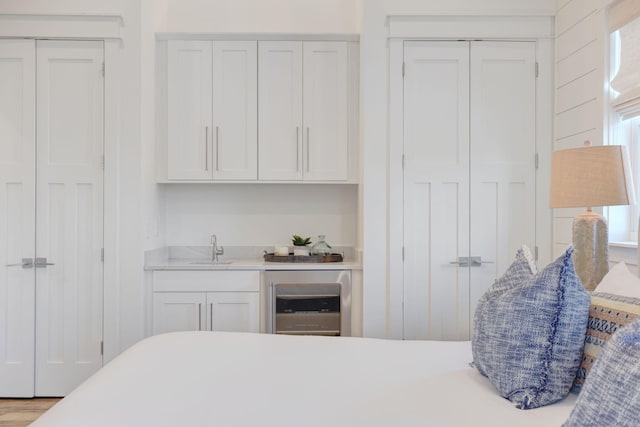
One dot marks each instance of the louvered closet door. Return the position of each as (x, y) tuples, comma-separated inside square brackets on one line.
[(69, 230), (17, 216), (469, 176)]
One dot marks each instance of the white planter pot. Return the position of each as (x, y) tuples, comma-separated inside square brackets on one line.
[(301, 251)]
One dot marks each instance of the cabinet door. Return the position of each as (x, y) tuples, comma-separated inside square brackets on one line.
[(233, 311), (189, 112), (235, 110), (325, 133), (280, 106), (179, 311)]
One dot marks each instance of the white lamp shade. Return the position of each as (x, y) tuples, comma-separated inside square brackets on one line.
[(591, 176)]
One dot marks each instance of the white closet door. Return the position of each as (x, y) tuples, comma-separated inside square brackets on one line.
[(69, 231), (280, 106), (436, 189), (235, 110), (17, 216), (469, 190), (503, 89)]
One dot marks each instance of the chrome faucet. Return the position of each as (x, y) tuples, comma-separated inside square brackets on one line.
[(215, 251)]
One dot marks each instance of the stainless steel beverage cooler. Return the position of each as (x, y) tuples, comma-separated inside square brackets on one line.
[(309, 302)]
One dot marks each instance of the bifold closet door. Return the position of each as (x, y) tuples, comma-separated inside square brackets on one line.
[(436, 189), (502, 161), (17, 217), (69, 218), (469, 176)]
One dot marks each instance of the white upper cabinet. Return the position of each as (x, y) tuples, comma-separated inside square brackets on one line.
[(325, 111), (212, 110), (280, 105), (257, 111), (190, 117), (235, 110), (303, 104)]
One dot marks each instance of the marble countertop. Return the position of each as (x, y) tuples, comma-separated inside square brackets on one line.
[(236, 258)]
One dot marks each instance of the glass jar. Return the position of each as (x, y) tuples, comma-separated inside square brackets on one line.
[(321, 247)]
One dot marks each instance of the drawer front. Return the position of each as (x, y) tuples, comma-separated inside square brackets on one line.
[(206, 281)]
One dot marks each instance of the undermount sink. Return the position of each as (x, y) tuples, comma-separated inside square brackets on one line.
[(211, 262)]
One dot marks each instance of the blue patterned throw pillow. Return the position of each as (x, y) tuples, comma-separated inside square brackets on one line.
[(529, 330), (607, 314), (610, 395)]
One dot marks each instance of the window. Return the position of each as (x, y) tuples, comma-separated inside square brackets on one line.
[(624, 123)]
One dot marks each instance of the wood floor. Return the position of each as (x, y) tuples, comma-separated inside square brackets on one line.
[(22, 412)]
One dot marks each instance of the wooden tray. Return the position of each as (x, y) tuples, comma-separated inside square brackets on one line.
[(270, 257)]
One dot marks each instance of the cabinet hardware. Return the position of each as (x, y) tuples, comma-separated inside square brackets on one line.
[(297, 149), (200, 316), (217, 144), (308, 145), (211, 316), (206, 148)]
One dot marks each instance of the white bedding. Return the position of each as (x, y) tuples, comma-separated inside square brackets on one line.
[(239, 379)]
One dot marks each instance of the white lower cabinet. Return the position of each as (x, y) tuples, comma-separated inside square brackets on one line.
[(206, 300)]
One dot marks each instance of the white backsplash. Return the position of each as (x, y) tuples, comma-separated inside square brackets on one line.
[(260, 214)]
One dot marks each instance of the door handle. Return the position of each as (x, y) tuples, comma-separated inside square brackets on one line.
[(474, 261), (462, 261), (26, 263), (42, 263)]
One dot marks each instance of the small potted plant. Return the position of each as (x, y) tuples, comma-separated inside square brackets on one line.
[(300, 245)]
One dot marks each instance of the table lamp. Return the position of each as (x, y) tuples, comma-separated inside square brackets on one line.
[(586, 177)]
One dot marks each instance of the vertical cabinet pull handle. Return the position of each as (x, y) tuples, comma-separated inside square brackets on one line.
[(308, 144), (217, 155), (206, 148), (200, 316), (297, 148), (211, 316)]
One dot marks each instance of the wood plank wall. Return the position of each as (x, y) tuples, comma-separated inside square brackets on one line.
[(580, 64), (580, 111)]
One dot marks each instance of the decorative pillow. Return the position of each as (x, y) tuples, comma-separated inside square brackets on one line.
[(620, 281), (611, 394), (529, 333), (607, 314), (522, 269)]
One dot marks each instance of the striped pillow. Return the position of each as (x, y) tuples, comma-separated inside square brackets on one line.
[(607, 314)]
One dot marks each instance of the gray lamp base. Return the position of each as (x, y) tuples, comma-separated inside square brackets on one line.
[(591, 253)]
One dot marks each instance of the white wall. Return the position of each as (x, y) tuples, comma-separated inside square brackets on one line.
[(260, 214), (581, 39), (153, 19), (375, 130), (273, 16), (582, 60)]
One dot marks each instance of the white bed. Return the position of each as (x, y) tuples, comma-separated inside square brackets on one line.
[(239, 379)]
